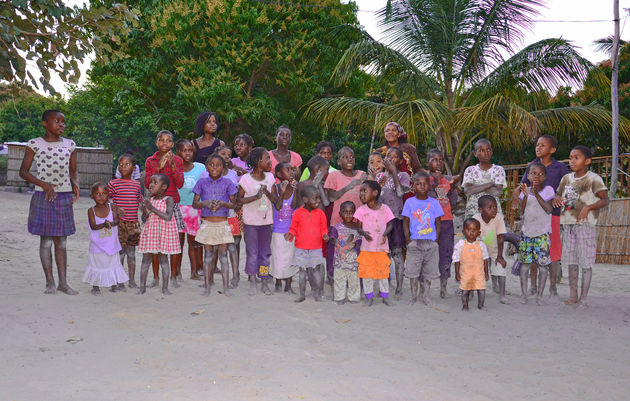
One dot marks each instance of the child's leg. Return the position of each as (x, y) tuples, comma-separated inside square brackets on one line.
[(147, 260), (524, 273), (287, 285), (587, 275), (165, 273), (446, 244), (155, 263), (543, 271), (553, 278), (465, 300), (225, 269), (383, 287), (481, 295), (45, 256), (264, 256), (251, 257), (399, 265), (534, 273), (131, 265), (60, 259), (495, 284), (368, 289), (95, 290), (278, 285), (339, 286), (318, 281), (503, 299), (573, 284), (194, 252), (414, 284), (208, 271), (234, 250), (302, 285), (354, 286), (429, 269)]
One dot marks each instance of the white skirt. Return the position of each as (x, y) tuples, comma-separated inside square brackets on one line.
[(282, 252), (104, 270)]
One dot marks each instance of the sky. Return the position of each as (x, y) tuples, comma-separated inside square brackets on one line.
[(582, 34)]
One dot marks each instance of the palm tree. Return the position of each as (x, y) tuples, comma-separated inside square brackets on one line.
[(454, 72)]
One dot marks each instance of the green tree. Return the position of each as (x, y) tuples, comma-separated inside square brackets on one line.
[(449, 78), (21, 112)]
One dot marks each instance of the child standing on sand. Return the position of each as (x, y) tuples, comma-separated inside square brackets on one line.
[(104, 268), (282, 251), (471, 264), (56, 189), (582, 194), (346, 245)]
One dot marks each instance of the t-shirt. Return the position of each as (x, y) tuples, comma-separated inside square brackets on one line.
[(191, 177), (388, 191), (53, 162), (336, 181), (345, 253), (296, 160), (490, 231), (536, 221), (240, 163), (422, 214), (209, 189), (374, 221), (308, 228), (441, 193), (555, 171), (475, 175), (126, 194), (259, 212), (457, 250), (580, 192)]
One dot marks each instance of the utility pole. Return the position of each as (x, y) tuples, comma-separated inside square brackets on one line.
[(614, 97)]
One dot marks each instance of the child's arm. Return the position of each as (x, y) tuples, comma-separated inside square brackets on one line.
[(438, 226), (388, 229), (323, 226), (279, 197), (323, 195), (406, 230), (165, 215), (242, 199), (92, 221), (294, 228), (546, 205), (334, 195), (198, 203), (25, 174), (74, 179), (485, 269), (500, 259), (178, 171), (362, 233), (602, 202), (523, 203), (115, 218), (145, 211), (471, 189), (297, 200), (457, 276)]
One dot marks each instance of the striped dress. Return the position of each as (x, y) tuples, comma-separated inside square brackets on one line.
[(159, 235)]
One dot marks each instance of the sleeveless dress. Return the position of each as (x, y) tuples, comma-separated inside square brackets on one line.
[(282, 251), (471, 271), (159, 235), (201, 154), (104, 268)]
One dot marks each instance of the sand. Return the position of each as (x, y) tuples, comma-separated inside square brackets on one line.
[(130, 347)]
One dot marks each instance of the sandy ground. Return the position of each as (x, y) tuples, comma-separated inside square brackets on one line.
[(134, 347)]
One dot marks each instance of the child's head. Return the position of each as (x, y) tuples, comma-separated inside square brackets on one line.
[(395, 156), (126, 164), (243, 144), (185, 150), (283, 136), (346, 211), (206, 123), (54, 122), (317, 164), (487, 207), (546, 146), (345, 158), (285, 171), (472, 229), (325, 149), (99, 193), (435, 161), (225, 153), (259, 159), (215, 165), (483, 150), (370, 191), (164, 141), (537, 174), (310, 197), (375, 162), (421, 184), (580, 159), (158, 184)]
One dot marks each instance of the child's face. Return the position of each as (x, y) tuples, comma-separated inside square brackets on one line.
[(125, 167), (483, 152), (283, 138), (375, 163), (164, 143), (311, 201), (536, 176), (347, 214), (421, 186), (156, 186), (214, 167), (471, 231), (393, 157), (100, 195), (55, 124), (185, 151), (346, 160), (265, 162), (241, 148), (367, 194), (489, 210), (577, 161), (211, 126), (544, 148), (324, 171), (226, 154), (326, 153), (286, 173), (436, 163), (391, 133)]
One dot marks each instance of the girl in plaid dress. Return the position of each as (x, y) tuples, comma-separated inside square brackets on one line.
[(159, 235)]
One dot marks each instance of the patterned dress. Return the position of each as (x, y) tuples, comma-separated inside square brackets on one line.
[(159, 235)]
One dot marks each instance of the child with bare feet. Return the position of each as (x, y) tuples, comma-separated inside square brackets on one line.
[(394, 185), (215, 195), (159, 235), (309, 228), (422, 232), (282, 251), (346, 245), (582, 194), (471, 264), (56, 189), (535, 244), (254, 194), (492, 230), (374, 225), (126, 193), (104, 268), (443, 189)]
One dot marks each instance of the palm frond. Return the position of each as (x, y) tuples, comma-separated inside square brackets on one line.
[(605, 45), (571, 120)]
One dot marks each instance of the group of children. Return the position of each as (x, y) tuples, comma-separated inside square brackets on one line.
[(344, 227)]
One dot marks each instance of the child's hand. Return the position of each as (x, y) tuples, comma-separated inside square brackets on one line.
[(108, 225), (583, 216), (283, 186), (458, 277), (167, 158), (384, 239), (325, 237), (354, 183), (350, 239), (454, 179), (239, 170), (260, 192), (49, 192), (524, 189), (147, 205), (558, 201), (501, 261), (389, 166), (487, 276), (293, 183), (408, 240), (318, 177), (288, 236), (365, 235)]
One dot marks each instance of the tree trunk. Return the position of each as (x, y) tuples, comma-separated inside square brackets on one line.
[(615, 103)]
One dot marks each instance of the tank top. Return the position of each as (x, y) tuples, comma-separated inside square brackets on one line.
[(201, 154), (282, 217), (104, 240)]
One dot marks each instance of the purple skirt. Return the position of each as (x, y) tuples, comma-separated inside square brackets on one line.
[(51, 219)]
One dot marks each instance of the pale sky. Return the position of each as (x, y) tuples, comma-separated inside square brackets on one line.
[(582, 34)]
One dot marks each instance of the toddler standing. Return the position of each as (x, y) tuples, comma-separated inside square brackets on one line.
[(484, 178), (471, 264), (346, 245)]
